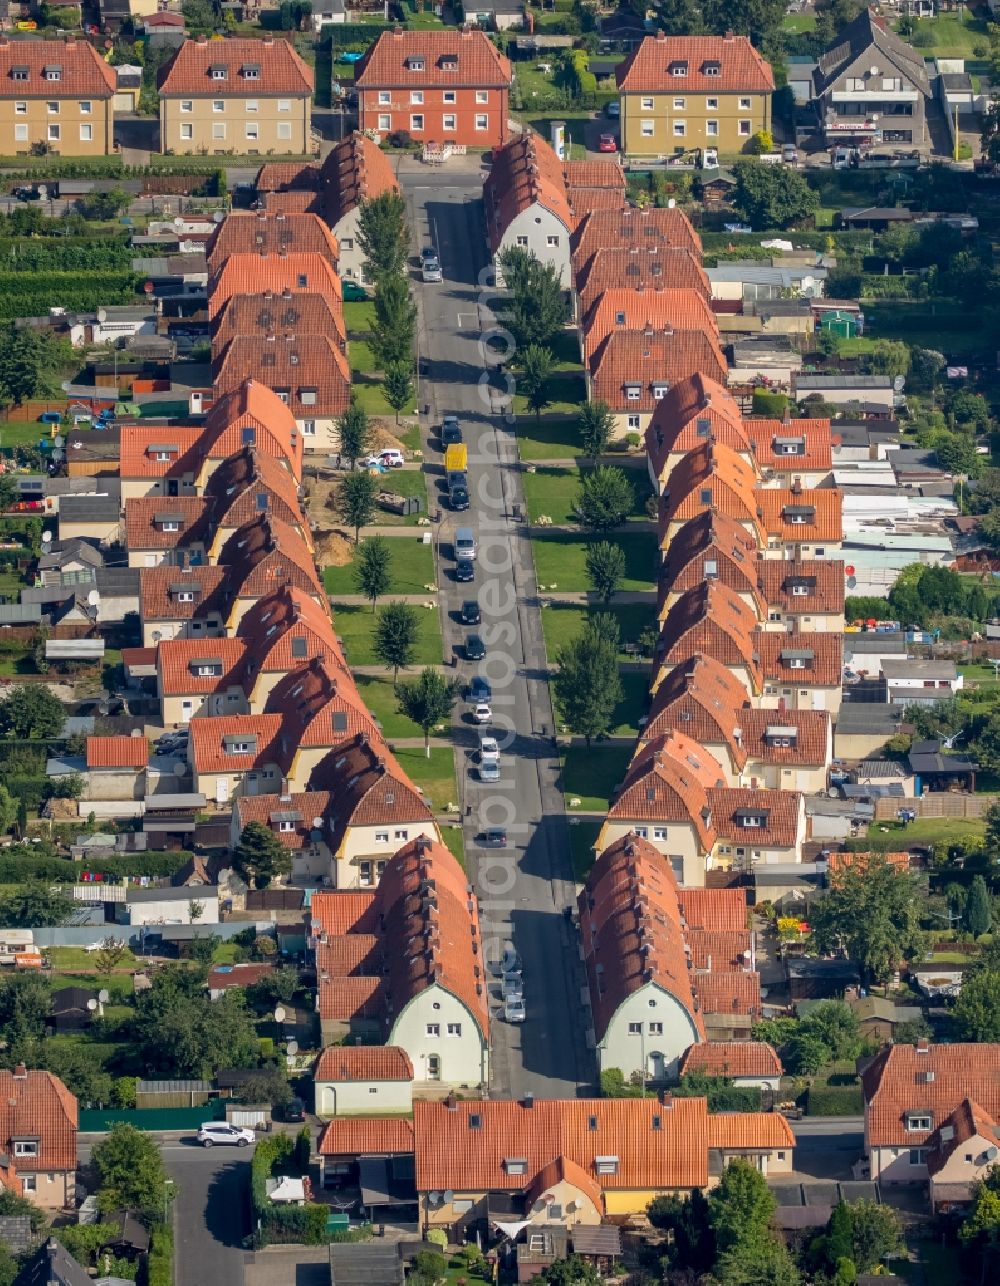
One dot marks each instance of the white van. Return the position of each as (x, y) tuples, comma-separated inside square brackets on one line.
[(465, 543), (391, 458)]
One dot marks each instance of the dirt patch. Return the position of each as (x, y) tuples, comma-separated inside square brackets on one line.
[(333, 549), (383, 436)]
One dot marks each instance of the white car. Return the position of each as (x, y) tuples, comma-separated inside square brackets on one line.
[(431, 270), (513, 1011), (220, 1132), (391, 458), (483, 713), (489, 749)]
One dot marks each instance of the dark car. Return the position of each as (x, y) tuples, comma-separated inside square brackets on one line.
[(451, 431), (293, 1110), (458, 498), (492, 837), (480, 689), (464, 570), (475, 648), (353, 293), (470, 612)]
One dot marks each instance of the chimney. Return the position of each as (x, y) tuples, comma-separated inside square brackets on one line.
[(20, 1072), (202, 39), (729, 37), (662, 37), (923, 1047), (466, 32), (787, 415), (451, 1102), (667, 1100), (528, 1101), (268, 41), (397, 33)]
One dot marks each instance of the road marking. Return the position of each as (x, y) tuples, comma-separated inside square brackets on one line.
[(461, 324)]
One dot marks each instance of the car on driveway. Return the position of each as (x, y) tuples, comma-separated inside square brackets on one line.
[(451, 431), (475, 648), (465, 569), (480, 689), (613, 110), (427, 252), (214, 1133), (492, 837), (482, 712), (431, 270), (607, 143), (471, 614), (509, 962), (489, 748), (353, 293)]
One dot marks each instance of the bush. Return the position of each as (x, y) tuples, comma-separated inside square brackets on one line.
[(835, 1100), (771, 405), (160, 1260)]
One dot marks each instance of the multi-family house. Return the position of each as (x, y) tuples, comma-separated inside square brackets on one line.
[(56, 96), (638, 308), (639, 267), (435, 86), (263, 233), (249, 97), (667, 227), (304, 312), (251, 272), (526, 206), (182, 602), (801, 671), (38, 1129), (678, 93), (870, 86)]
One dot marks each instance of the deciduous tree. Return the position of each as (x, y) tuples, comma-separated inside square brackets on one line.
[(588, 686), (384, 235), (772, 196), (394, 327), (597, 425), (396, 630), (537, 311), (354, 433), (356, 500), (372, 568), (605, 568), (131, 1171), (535, 376), (428, 701), (605, 499), (397, 385), (873, 914), (31, 713)]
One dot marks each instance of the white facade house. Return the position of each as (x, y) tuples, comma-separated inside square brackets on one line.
[(173, 906), (912, 681), (647, 1035), (361, 1079), (526, 205), (443, 1039)]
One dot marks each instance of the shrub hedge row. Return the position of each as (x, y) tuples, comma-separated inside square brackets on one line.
[(835, 1100)]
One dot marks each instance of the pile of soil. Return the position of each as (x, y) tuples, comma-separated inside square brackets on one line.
[(384, 437), (332, 549)]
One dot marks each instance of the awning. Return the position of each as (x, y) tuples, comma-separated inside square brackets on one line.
[(512, 1230)]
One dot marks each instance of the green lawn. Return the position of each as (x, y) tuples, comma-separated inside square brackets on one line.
[(434, 776), (926, 830), (949, 35), (575, 123), (798, 23), (367, 392), (632, 706), (548, 438), (566, 392), (362, 357), (583, 833), (554, 493), (403, 482), (591, 774), (564, 621), (454, 838), (939, 323), (379, 696), (560, 559), (119, 984), (359, 315), (355, 627), (411, 568), (983, 676), (21, 433), (68, 958)]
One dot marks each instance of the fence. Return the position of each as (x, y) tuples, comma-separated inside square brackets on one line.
[(937, 805), (165, 1118)]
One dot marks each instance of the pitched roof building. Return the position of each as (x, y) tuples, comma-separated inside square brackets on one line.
[(252, 273), (636, 308), (38, 1128), (649, 267), (668, 226), (633, 370), (261, 233), (69, 73)]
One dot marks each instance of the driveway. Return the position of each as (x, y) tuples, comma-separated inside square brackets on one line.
[(525, 890)]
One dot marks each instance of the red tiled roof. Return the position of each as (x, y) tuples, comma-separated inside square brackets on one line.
[(265, 554), (209, 737), (967, 1121), (821, 578), (272, 624), (297, 364), (781, 809), (703, 699), (838, 861), (714, 910), (160, 589), (711, 544), (652, 267), (732, 1058), (301, 808), (650, 69), (821, 507), (242, 974), (749, 1131), (250, 273), (363, 1063), (902, 1080), (347, 1136), (728, 993), (355, 170), (37, 1105), (479, 63), (177, 665), (159, 451), (351, 998), (669, 780), (583, 200), (453, 1151), (809, 748), (83, 73), (280, 70), (350, 955), (370, 786), (594, 174), (259, 232), (712, 476), (294, 202), (639, 309), (524, 173), (647, 358), (632, 226), (117, 752), (287, 176), (340, 913), (695, 408), (618, 956), (824, 659), (814, 436), (253, 415), (250, 483), (730, 949), (711, 618), (563, 1170), (321, 705), (145, 516)]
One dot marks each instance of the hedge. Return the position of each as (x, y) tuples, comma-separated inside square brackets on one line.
[(56, 870), (58, 254), (355, 33), (31, 295), (160, 1260), (835, 1100)]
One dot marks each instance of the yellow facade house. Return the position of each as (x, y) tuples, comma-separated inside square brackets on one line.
[(56, 96), (239, 96), (682, 93)]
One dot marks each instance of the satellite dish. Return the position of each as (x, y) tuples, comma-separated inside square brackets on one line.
[(434, 1198), (317, 823), (94, 597), (104, 995), (292, 1047), (180, 768), (91, 1004), (448, 1196), (178, 223), (218, 216), (46, 537), (59, 442), (852, 582), (102, 315), (104, 709), (279, 1015)]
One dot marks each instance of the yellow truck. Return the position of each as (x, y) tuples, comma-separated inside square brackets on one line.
[(456, 458)]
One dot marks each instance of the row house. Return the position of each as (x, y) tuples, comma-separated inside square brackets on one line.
[(637, 308), (435, 86), (253, 272), (303, 312), (526, 206), (632, 228), (639, 267), (57, 97), (263, 233), (594, 185), (39, 1120)]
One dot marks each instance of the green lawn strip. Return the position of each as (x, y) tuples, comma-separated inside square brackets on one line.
[(367, 392), (935, 322), (566, 392), (982, 676), (948, 35), (403, 482), (925, 830), (66, 958), (591, 773), (454, 838), (410, 437), (362, 357), (583, 833), (434, 776), (561, 558), (566, 351), (379, 695), (359, 315), (225, 953), (564, 621), (630, 709), (555, 438), (554, 493), (119, 986), (412, 570), (798, 23), (22, 433), (355, 627)]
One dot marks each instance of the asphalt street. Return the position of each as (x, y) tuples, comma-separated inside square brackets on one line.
[(525, 889)]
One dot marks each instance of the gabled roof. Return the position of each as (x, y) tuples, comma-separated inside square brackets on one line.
[(250, 273), (732, 1058), (295, 201), (363, 1063), (639, 309), (928, 1081), (702, 699), (711, 618), (594, 174), (26, 65), (178, 662), (301, 808), (117, 752), (259, 232), (650, 358), (728, 994), (793, 738), (822, 652), (654, 266), (37, 1105), (525, 173), (359, 1136), (712, 476), (669, 780), (321, 705), (250, 483), (271, 626), (265, 554), (287, 176), (297, 364), (267, 67), (714, 910), (463, 1145), (731, 949), (213, 741), (369, 787), (869, 31), (749, 1131), (694, 409), (721, 64), (355, 170), (668, 226), (253, 415), (968, 1121), (159, 451), (622, 951), (148, 520), (160, 590), (712, 544), (801, 514), (819, 582), (433, 60), (776, 812), (813, 437)]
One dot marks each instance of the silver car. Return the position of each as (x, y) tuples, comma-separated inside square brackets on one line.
[(221, 1132), (514, 1011), (431, 270)]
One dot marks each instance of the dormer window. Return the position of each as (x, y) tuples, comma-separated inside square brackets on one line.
[(796, 660), (414, 63), (659, 392), (619, 319), (789, 446), (251, 71), (19, 73), (712, 69), (449, 62), (679, 69), (914, 1121), (285, 827), (515, 1165), (781, 737), (799, 515), (606, 1165), (53, 73), (26, 1147), (800, 589), (239, 745), (633, 392), (751, 819), (207, 667), (219, 71)]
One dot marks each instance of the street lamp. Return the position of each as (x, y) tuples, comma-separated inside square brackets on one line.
[(169, 1183)]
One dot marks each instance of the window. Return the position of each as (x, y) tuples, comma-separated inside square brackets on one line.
[(646, 129), (86, 133), (307, 396), (252, 105), (401, 835), (381, 837), (385, 122), (448, 124), (433, 1029), (29, 1183), (711, 104), (482, 96), (632, 392), (53, 73), (552, 241), (415, 64), (515, 1165), (659, 832), (417, 97), (712, 129), (641, 831), (284, 129), (712, 69), (744, 129), (187, 105), (365, 874), (635, 1029), (744, 104), (20, 109), (253, 130), (219, 73), (922, 1123), (187, 131), (659, 391), (781, 1156), (52, 108), (416, 123), (21, 133), (384, 98), (450, 96), (19, 73), (482, 122), (373, 1089), (284, 104), (522, 241), (86, 107), (633, 422), (218, 129), (53, 133), (606, 1165), (680, 129), (646, 104), (286, 826), (251, 72), (309, 428), (26, 1147), (679, 104), (918, 1156), (679, 69), (454, 1029)]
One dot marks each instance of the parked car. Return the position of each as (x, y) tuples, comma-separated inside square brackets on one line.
[(391, 457), (509, 962), (214, 1133), (353, 293), (493, 837), (293, 1110), (482, 712), (471, 614), (489, 748), (427, 252), (475, 648), (480, 689), (451, 431), (431, 270), (513, 1011), (458, 499), (489, 772), (512, 987), (607, 143), (613, 110), (465, 570), (790, 154)]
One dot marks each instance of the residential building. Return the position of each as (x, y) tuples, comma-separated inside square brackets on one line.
[(749, 1064), (253, 273), (871, 87), (116, 767), (58, 96), (762, 1139), (931, 1116), (38, 1128), (678, 93), (248, 97), (363, 1079), (261, 233), (435, 86), (355, 170), (634, 308), (632, 370), (526, 206), (639, 267), (298, 312), (667, 227), (912, 681)]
